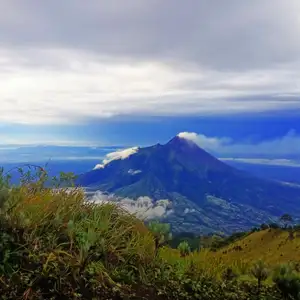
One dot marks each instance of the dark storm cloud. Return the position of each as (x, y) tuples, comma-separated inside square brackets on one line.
[(233, 34), (71, 61)]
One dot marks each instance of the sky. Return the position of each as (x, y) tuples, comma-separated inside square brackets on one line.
[(137, 72)]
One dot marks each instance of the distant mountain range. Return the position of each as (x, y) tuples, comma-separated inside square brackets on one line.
[(206, 194)]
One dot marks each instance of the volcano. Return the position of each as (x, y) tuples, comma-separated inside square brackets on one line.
[(207, 195)]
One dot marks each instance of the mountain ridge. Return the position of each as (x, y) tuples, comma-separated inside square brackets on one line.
[(192, 179)]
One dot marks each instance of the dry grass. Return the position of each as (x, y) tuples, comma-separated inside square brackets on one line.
[(272, 246)]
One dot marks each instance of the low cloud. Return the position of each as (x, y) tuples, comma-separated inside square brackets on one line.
[(143, 207), (279, 147), (119, 154), (134, 172), (265, 161), (189, 211)]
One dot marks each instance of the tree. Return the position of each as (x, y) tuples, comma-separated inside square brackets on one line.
[(264, 226), (287, 280), (161, 233), (286, 219), (184, 248), (274, 225), (260, 272)]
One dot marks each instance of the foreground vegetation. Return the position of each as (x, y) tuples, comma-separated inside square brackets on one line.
[(54, 245)]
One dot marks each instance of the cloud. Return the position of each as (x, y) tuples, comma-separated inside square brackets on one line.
[(48, 153), (235, 34), (143, 207), (204, 141), (189, 210), (134, 172), (280, 147), (265, 161), (71, 62), (119, 154)]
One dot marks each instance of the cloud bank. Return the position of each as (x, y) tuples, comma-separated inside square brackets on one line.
[(71, 61), (143, 207), (265, 161)]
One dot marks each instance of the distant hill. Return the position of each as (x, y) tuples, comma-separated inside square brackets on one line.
[(275, 172), (207, 194), (271, 245)]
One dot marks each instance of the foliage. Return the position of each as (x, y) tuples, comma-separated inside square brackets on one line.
[(55, 245), (190, 238), (274, 226), (286, 219), (184, 249), (287, 281), (260, 272), (264, 226), (161, 233)]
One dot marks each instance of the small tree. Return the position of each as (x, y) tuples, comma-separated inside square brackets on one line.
[(184, 248), (287, 281), (286, 219), (274, 225), (260, 272), (264, 226), (161, 233)]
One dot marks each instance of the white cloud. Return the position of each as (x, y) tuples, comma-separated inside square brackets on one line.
[(143, 207), (189, 210), (204, 141), (120, 154), (134, 172), (57, 86), (280, 147), (265, 161), (70, 61)]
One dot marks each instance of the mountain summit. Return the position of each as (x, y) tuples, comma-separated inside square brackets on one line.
[(206, 194)]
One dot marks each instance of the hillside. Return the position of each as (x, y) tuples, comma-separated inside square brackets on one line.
[(273, 246), (206, 194), (54, 245)]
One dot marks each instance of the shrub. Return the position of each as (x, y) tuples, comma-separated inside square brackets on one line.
[(260, 272), (264, 226), (184, 249), (287, 281), (274, 226)]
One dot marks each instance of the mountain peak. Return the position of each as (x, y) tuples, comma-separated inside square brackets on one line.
[(181, 141)]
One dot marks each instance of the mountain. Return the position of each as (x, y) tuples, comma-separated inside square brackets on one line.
[(206, 194)]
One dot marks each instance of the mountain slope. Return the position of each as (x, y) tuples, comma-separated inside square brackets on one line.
[(206, 193), (273, 246)]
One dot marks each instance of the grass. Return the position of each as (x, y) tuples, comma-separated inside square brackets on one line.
[(271, 245), (54, 245)]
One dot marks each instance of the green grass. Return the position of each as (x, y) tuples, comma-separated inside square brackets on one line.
[(54, 245)]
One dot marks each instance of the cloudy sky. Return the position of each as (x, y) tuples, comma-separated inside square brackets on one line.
[(135, 72)]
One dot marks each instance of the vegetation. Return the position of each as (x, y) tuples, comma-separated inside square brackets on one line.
[(54, 245), (161, 233), (184, 249), (286, 219)]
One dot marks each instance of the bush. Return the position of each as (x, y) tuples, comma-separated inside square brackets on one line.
[(274, 226), (264, 226), (287, 280), (184, 249)]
